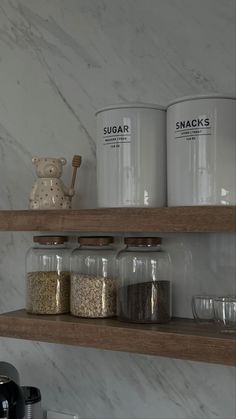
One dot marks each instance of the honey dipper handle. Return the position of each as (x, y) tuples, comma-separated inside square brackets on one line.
[(73, 178), (76, 162)]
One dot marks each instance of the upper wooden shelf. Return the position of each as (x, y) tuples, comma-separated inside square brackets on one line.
[(173, 219), (181, 338)]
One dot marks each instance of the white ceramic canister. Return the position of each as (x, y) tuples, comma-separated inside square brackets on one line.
[(201, 151), (131, 156)]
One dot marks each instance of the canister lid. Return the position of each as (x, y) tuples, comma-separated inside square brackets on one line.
[(200, 96), (131, 105), (142, 241), (96, 240), (32, 395), (50, 239)]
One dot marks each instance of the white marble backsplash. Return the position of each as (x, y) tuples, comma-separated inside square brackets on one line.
[(60, 60)]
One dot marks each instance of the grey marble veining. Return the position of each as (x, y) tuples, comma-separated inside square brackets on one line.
[(103, 384), (59, 62)]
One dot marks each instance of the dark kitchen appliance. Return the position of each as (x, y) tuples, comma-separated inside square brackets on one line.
[(10, 371), (32, 398), (12, 405)]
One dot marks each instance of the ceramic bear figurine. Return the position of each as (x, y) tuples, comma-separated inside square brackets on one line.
[(49, 192)]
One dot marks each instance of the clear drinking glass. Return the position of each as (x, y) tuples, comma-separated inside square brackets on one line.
[(202, 307), (225, 312)]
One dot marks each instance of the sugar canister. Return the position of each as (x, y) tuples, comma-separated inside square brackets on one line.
[(201, 150), (131, 155)]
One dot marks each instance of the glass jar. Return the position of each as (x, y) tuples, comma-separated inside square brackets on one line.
[(93, 283), (48, 276), (144, 291)]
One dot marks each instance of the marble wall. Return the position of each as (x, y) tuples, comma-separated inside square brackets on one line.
[(60, 61)]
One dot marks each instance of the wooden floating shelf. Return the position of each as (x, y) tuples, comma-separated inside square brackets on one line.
[(173, 219), (181, 338)]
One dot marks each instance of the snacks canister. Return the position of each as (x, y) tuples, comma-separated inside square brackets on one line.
[(131, 156), (201, 150)]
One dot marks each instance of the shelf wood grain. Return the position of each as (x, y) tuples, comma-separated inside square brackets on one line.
[(173, 219), (181, 338)]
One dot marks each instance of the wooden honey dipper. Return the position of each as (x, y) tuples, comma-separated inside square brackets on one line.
[(76, 162)]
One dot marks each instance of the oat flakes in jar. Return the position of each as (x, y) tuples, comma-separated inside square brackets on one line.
[(93, 283), (48, 276)]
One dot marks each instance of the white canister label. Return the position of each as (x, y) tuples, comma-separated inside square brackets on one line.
[(116, 135), (117, 160), (191, 129)]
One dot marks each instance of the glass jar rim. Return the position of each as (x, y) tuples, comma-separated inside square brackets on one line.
[(50, 239), (96, 240), (225, 299), (143, 241), (203, 297)]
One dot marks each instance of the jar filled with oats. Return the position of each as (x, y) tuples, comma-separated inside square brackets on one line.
[(48, 276), (93, 283)]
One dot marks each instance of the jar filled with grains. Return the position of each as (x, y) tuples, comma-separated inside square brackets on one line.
[(144, 291), (48, 276), (93, 283)]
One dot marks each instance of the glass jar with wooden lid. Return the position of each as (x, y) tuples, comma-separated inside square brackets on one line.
[(48, 276), (144, 291), (93, 282)]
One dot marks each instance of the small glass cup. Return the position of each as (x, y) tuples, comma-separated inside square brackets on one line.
[(202, 308), (225, 313)]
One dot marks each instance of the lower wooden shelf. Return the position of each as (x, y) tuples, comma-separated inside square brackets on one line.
[(181, 338)]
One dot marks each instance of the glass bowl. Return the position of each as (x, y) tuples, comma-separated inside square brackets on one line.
[(202, 308), (225, 312)]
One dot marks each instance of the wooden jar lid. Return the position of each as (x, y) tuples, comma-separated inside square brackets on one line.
[(50, 239), (142, 241), (96, 240)]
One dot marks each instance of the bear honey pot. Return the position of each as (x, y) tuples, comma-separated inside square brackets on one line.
[(49, 191)]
